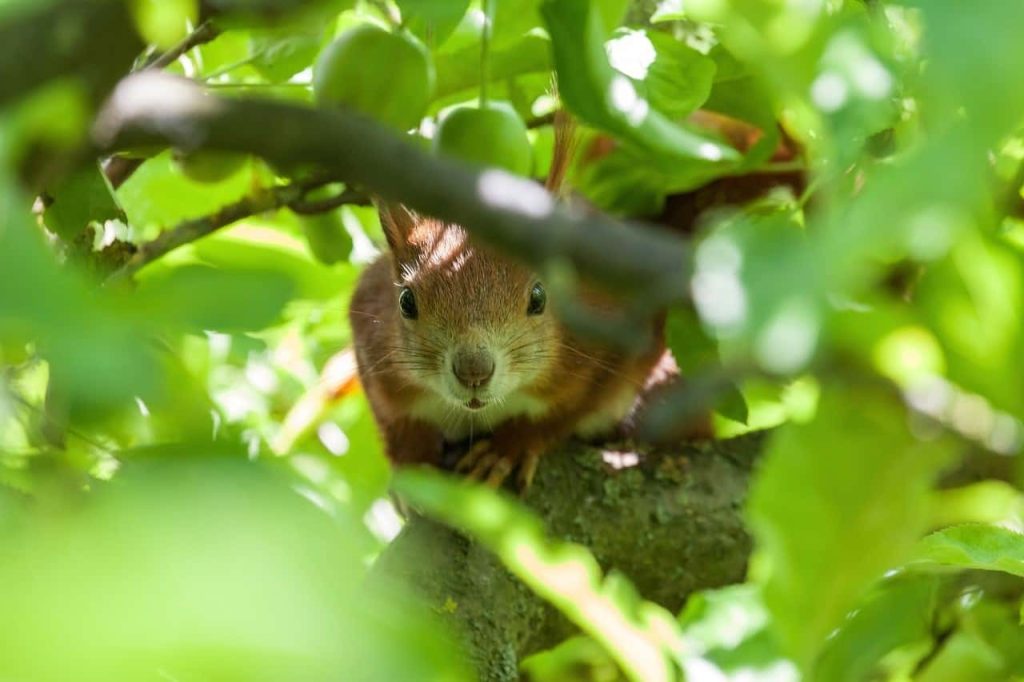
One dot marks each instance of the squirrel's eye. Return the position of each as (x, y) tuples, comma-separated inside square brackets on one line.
[(538, 299), (407, 304)]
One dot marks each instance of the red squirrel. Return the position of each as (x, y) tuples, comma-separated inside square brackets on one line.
[(457, 342)]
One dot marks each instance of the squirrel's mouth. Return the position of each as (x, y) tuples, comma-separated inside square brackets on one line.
[(475, 404)]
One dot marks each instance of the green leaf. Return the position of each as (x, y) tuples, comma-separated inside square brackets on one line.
[(159, 195), (729, 629), (326, 236), (839, 501), (432, 20), (80, 199), (973, 546), (897, 613), (745, 98), (279, 54), (603, 98), (697, 354), (164, 22), (675, 78), (205, 298), (260, 248), (987, 645), (459, 70), (95, 350)]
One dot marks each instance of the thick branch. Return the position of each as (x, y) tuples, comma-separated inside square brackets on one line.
[(510, 212), (672, 524)]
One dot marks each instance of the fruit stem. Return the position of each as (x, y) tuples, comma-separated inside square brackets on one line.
[(485, 49)]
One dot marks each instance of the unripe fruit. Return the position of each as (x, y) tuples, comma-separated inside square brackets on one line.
[(493, 135), (208, 166), (388, 76)]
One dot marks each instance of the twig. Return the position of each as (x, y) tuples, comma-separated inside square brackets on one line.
[(540, 121), (191, 230), (345, 197), (203, 34)]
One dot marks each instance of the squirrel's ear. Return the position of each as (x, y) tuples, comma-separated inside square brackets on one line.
[(398, 223)]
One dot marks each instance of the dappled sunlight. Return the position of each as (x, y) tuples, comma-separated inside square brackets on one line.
[(789, 339), (631, 53), (969, 414), (508, 192), (623, 96), (716, 286)]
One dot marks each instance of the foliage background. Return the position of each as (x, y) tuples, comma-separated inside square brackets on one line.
[(153, 438)]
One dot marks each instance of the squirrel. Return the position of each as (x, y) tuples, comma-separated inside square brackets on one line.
[(455, 342)]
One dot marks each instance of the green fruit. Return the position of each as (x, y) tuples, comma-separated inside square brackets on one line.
[(208, 166), (493, 135), (388, 76), (327, 238)]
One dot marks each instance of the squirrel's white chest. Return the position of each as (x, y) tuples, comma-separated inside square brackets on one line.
[(458, 423)]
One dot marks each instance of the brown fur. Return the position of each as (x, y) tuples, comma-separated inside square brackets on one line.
[(465, 292)]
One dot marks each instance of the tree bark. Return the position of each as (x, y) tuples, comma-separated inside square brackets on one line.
[(669, 520)]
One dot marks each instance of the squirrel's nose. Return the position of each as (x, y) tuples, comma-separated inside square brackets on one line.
[(473, 367)]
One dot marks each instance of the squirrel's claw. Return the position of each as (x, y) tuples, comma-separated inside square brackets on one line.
[(482, 462), (470, 461)]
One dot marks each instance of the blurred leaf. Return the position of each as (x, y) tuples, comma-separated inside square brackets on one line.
[(459, 70), (81, 198), (820, 549), (745, 98), (432, 20), (169, 568), (205, 298), (256, 247), (55, 115), (577, 659), (567, 575), (973, 299), (95, 350), (326, 236), (973, 57), (697, 354), (975, 546), (729, 629), (897, 613), (280, 53), (159, 195), (164, 22), (592, 90), (988, 645)]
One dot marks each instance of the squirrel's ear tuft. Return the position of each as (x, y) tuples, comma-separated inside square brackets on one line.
[(398, 223)]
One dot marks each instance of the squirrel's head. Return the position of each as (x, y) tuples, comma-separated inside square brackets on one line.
[(475, 326)]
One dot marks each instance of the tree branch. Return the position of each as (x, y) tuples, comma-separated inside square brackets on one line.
[(191, 230), (203, 34), (506, 211), (672, 523)]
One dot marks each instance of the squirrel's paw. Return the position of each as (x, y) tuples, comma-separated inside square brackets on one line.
[(484, 462)]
